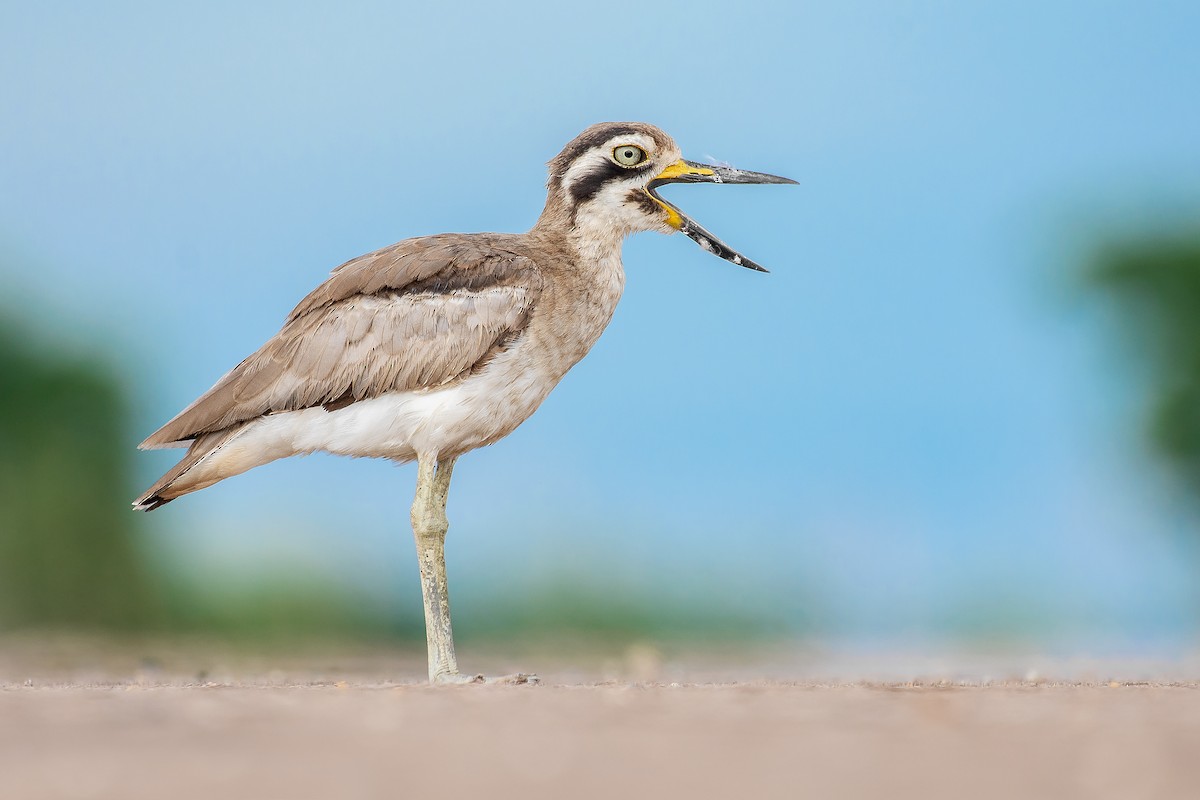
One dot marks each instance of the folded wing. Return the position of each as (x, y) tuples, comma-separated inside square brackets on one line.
[(415, 315)]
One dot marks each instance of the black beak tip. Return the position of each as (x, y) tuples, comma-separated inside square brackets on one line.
[(762, 177), (742, 261)]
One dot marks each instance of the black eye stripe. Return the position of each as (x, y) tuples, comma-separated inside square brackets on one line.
[(589, 184)]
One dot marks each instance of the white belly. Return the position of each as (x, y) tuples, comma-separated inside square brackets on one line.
[(471, 413), (401, 425)]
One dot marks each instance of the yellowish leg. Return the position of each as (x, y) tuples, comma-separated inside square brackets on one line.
[(429, 529)]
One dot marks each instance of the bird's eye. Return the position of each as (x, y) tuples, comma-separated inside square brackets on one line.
[(629, 155)]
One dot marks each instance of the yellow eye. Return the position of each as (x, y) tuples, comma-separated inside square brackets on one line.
[(629, 155)]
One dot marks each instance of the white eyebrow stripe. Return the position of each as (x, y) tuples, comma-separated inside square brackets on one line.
[(601, 154)]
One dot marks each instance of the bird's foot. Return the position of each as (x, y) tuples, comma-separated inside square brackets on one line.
[(458, 678)]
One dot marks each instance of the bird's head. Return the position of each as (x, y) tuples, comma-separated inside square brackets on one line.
[(607, 176)]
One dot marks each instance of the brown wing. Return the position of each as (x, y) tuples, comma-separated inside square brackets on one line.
[(414, 315)]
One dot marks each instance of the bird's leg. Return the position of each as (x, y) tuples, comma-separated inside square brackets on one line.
[(429, 529)]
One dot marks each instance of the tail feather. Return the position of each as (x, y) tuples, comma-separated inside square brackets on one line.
[(149, 502), (174, 484)]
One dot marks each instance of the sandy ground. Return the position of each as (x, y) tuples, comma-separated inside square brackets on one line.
[(364, 727)]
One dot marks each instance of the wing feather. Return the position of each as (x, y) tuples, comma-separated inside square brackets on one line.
[(416, 315)]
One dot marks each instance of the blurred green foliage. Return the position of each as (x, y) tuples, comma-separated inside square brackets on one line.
[(576, 607), (1156, 284), (68, 556), (69, 549), (283, 607)]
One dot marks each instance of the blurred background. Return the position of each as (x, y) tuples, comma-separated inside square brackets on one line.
[(963, 409)]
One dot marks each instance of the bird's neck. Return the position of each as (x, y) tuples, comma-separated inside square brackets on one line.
[(594, 238), (589, 285), (597, 243)]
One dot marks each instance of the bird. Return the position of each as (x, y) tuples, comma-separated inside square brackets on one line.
[(437, 345)]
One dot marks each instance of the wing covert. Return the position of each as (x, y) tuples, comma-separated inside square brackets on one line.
[(416, 315)]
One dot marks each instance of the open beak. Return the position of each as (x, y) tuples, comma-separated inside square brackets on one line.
[(690, 172)]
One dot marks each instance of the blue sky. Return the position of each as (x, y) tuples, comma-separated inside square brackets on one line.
[(913, 412)]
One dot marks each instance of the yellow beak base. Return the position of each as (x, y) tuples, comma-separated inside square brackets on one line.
[(678, 170)]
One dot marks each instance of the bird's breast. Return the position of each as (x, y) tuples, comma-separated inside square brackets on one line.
[(575, 313)]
